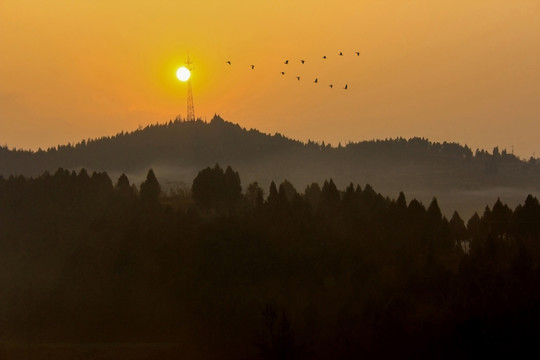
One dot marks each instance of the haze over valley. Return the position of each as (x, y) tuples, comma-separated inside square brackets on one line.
[(461, 178)]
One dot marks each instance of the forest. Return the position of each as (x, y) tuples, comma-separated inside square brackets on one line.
[(179, 149), (237, 271)]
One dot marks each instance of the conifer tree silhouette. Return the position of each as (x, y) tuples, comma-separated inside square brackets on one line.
[(150, 188)]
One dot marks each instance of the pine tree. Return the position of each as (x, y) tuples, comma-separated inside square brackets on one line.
[(150, 188)]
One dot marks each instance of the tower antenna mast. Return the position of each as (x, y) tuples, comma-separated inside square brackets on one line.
[(190, 109)]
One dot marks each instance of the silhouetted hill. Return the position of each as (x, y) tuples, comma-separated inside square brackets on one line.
[(178, 149), (177, 143)]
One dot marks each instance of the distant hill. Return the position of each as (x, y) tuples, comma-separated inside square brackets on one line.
[(178, 149), (177, 143)]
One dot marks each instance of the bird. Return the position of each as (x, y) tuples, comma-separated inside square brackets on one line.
[(228, 62), (302, 61), (252, 67), (283, 73), (286, 62), (345, 88), (298, 77), (357, 53), (331, 86), (340, 53), (324, 57), (316, 80)]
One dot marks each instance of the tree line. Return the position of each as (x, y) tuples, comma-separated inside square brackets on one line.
[(195, 144), (277, 274)]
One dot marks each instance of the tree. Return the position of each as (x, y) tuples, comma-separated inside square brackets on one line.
[(433, 211), (313, 194), (150, 188), (349, 197), (457, 227), (401, 201), (287, 190), (500, 218), (330, 195), (473, 225), (232, 186), (217, 191), (123, 187), (254, 196), (273, 196)]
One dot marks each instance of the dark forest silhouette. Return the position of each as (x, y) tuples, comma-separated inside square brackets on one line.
[(391, 164), (278, 274)]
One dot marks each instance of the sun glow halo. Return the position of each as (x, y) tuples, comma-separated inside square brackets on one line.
[(183, 73)]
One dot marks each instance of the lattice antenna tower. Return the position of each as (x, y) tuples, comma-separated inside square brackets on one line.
[(190, 109)]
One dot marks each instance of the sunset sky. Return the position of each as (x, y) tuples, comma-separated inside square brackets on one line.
[(455, 70)]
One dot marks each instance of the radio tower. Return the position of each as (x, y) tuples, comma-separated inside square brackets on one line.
[(190, 110)]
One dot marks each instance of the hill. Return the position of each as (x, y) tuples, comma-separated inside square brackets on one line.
[(176, 150)]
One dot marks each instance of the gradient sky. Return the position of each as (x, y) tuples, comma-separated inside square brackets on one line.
[(454, 70)]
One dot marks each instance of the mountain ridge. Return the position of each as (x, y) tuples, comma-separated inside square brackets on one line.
[(177, 150), (197, 143)]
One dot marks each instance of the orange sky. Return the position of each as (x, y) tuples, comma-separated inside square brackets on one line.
[(455, 70)]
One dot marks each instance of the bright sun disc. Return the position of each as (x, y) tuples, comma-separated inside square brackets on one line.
[(183, 74)]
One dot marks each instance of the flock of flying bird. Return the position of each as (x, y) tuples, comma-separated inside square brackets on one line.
[(316, 81)]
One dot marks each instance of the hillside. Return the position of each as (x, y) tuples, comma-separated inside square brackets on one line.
[(176, 150)]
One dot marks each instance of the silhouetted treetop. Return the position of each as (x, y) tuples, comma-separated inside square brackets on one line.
[(330, 197), (123, 182), (312, 194), (273, 196), (287, 190), (254, 196), (401, 200), (434, 211), (216, 190), (150, 188)]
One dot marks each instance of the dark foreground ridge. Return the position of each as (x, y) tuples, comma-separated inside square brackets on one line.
[(92, 269)]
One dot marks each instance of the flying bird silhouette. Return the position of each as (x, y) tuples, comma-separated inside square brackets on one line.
[(346, 86), (340, 53), (228, 62), (283, 73), (357, 53), (316, 80), (324, 57), (331, 86), (298, 77), (252, 67), (286, 62), (302, 61)]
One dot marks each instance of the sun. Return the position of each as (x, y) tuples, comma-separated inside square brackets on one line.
[(183, 73)]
